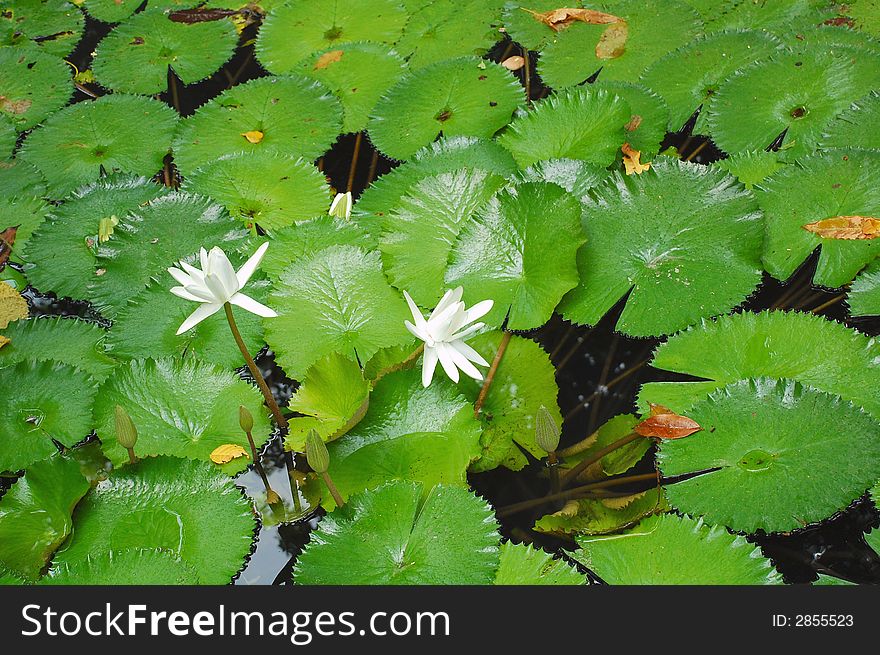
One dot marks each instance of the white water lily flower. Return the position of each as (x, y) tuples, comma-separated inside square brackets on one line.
[(217, 284), (341, 205), (444, 333)]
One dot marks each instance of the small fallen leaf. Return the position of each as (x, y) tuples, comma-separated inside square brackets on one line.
[(846, 227), (632, 160), (201, 15), (7, 239), (558, 19), (14, 106), (84, 77), (328, 58), (633, 124), (12, 306), (612, 43), (254, 136), (513, 63), (3, 341), (227, 452), (663, 423)]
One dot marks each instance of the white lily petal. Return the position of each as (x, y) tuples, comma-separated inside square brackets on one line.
[(416, 332), (429, 364), (479, 310), (222, 270), (197, 276), (201, 292), (201, 313), (468, 331), (446, 361), (203, 259), (215, 286), (439, 325), (249, 304), (469, 352), (250, 266), (181, 277), (416, 312), (181, 292), (451, 297), (462, 362)]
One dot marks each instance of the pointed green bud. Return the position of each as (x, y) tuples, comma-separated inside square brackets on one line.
[(316, 452), (126, 432), (245, 419), (546, 430)]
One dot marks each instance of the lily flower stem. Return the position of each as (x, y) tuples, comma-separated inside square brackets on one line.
[(553, 465), (354, 160), (572, 475), (294, 485), (132, 459), (255, 372), (271, 497), (490, 375), (337, 497)]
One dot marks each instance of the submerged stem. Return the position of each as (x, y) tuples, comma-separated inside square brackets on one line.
[(572, 474), (271, 497), (484, 390)]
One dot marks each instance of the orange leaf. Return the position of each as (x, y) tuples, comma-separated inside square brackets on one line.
[(612, 43), (7, 239), (846, 227), (663, 423), (558, 19), (254, 136), (12, 306), (632, 160), (328, 58), (514, 63), (227, 452)]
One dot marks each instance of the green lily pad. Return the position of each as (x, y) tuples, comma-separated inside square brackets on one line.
[(775, 16), (575, 176), (154, 237), (339, 301), (358, 73), (864, 294), (523, 27), (34, 85), (651, 554), (814, 351), (683, 240), (26, 212), (115, 133), (263, 188), (616, 462), (333, 398), (837, 183), (8, 137), (402, 534), (116, 11), (645, 128), (655, 27), (69, 341), (521, 564), (466, 96), (136, 55), (751, 167), (33, 413), (857, 126), (180, 408), (767, 437), (525, 380), (62, 251), (866, 14), (591, 516), (19, 178), (56, 26), (751, 109), (520, 250), (293, 31), (133, 566), (35, 514), (291, 115), (147, 327), (583, 123), (177, 505), (873, 540), (690, 76), (421, 231)]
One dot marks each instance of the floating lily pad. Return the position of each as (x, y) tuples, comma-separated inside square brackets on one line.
[(26, 212), (56, 26), (335, 301), (116, 132), (584, 123), (421, 231), (522, 26), (865, 14), (66, 340), (683, 240), (575, 176), (303, 240), (177, 505), (8, 137), (525, 380), (519, 250), (751, 167), (523, 565), (19, 178), (837, 183), (34, 414), (814, 351), (34, 85), (690, 76), (358, 73), (133, 566), (466, 96), (651, 554), (154, 237), (616, 462), (873, 540), (290, 115), (263, 188), (35, 514), (181, 408), (397, 534), (645, 128), (857, 126), (136, 55), (654, 27), (293, 31), (115, 11), (864, 294), (591, 516), (751, 108), (766, 437), (775, 16)]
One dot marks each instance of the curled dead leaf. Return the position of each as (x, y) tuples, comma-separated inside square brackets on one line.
[(14, 106), (7, 240), (328, 58), (227, 452), (254, 136), (663, 423), (612, 43), (632, 160), (558, 19), (513, 63), (12, 306), (3, 341), (846, 227)]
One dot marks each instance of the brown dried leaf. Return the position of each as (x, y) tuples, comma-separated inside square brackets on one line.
[(14, 106), (12, 306), (200, 15), (328, 58), (7, 240), (612, 43), (254, 136), (632, 160), (558, 19), (633, 124), (513, 63), (846, 227), (663, 423), (227, 452)]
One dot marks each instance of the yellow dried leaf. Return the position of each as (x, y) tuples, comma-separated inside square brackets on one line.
[(558, 19), (632, 160), (3, 341), (328, 58), (513, 63), (612, 43), (12, 306), (846, 227), (254, 136), (227, 452)]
